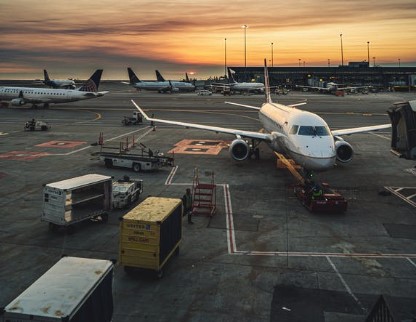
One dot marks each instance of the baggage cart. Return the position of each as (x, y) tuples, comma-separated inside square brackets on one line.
[(73, 200), (150, 234)]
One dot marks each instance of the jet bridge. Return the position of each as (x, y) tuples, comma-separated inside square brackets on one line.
[(403, 124)]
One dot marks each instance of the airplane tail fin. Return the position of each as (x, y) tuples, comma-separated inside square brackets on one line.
[(231, 78), (132, 76), (45, 74), (91, 85), (187, 78), (159, 76), (267, 83)]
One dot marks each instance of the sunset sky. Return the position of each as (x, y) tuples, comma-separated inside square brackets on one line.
[(73, 38)]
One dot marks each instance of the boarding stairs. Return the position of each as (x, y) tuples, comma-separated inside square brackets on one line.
[(204, 195)]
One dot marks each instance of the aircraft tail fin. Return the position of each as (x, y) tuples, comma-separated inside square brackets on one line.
[(231, 78), (159, 76), (187, 78), (267, 83), (46, 76), (132, 76), (91, 85)]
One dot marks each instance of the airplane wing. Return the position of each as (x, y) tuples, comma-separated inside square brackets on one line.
[(360, 129), (244, 105), (239, 133)]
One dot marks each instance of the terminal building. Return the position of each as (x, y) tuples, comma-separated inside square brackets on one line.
[(353, 74)]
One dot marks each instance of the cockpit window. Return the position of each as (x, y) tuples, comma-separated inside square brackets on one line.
[(313, 130), (294, 129)]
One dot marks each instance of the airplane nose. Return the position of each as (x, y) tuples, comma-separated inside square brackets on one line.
[(320, 164)]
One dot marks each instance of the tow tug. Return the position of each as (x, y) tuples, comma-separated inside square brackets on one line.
[(316, 197), (34, 125), (320, 198), (135, 120)]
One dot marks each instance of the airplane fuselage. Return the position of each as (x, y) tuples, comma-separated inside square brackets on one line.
[(164, 86), (306, 136), (247, 86), (43, 95)]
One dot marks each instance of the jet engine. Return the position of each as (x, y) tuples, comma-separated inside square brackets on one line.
[(17, 101), (239, 149), (344, 151)]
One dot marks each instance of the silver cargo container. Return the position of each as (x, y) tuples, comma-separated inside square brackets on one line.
[(77, 199), (73, 290)]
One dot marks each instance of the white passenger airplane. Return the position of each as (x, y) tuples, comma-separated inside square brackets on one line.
[(303, 136), (159, 86), (235, 86), (19, 96), (332, 87), (58, 83)]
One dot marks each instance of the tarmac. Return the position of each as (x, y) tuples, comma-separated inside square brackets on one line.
[(262, 256)]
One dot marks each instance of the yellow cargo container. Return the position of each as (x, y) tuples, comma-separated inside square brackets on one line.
[(151, 233)]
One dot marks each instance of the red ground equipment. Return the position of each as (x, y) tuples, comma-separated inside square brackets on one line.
[(327, 200)]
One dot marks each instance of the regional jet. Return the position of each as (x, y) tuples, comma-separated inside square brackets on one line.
[(332, 87), (235, 86), (19, 96), (183, 85), (159, 86), (58, 83), (303, 136)]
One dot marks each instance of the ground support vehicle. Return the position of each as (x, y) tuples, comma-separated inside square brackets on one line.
[(36, 125), (328, 201), (73, 200), (73, 290), (150, 234), (135, 161), (126, 191), (136, 119)]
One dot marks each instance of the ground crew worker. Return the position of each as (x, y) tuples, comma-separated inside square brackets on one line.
[(316, 192), (187, 204)]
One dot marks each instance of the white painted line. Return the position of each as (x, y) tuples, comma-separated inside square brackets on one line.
[(170, 176), (411, 262), (345, 284), (395, 191), (232, 246), (114, 138), (382, 136)]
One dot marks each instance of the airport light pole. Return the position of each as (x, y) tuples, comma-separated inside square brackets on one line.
[(368, 53), (225, 57), (374, 61), (272, 54), (299, 62), (342, 51), (399, 62), (329, 63), (245, 44)]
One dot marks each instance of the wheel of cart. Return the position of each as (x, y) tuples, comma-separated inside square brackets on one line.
[(159, 274), (108, 163), (104, 218), (136, 167)]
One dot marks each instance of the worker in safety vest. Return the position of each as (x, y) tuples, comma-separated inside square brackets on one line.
[(316, 192), (187, 204)]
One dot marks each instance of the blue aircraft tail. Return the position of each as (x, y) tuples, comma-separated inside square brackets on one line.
[(159, 76), (91, 85), (132, 76)]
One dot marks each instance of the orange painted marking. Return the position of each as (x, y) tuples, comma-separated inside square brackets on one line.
[(22, 155), (60, 144), (211, 147)]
